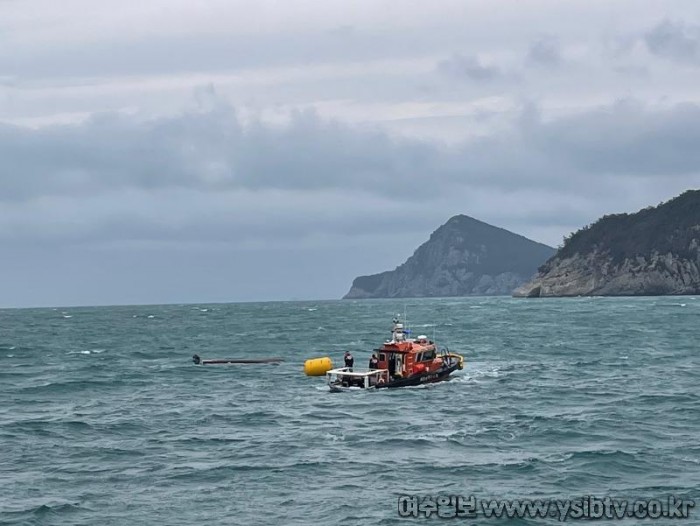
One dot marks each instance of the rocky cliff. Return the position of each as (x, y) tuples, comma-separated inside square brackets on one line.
[(463, 257), (652, 252)]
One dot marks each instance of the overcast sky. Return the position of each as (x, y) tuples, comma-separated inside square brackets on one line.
[(175, 151)]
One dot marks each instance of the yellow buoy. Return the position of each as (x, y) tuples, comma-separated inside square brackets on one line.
[(318, 366)]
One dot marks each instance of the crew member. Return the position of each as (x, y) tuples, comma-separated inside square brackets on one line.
[(373, 362), (349, 360)]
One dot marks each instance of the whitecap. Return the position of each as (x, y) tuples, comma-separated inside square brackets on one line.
[(492, 373), (432, 438), (10, 355), (472, 374), (465, 379), (558, 458), (151, 316), (67, 316)]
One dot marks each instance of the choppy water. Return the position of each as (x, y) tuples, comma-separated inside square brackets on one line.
[(104, 420)]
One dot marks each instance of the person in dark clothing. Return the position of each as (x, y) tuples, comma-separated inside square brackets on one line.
[(349, 360), (373, 362)]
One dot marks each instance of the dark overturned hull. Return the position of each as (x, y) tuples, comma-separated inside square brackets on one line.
[(222, 361), (419, 379)]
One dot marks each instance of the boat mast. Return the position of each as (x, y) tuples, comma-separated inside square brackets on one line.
[(397, 333), (405, 319)]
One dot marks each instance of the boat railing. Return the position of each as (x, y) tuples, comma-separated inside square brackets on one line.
[(357, 377)]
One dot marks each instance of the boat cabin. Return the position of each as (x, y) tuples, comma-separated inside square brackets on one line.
[(404, 357)]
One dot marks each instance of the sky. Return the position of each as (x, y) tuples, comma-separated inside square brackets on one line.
[(170, 151)]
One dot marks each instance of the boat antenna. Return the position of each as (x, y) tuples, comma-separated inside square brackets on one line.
[(405, 319)]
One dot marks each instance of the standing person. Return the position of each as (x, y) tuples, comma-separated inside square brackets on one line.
[(392, 366), (349, 360), (373, 362)]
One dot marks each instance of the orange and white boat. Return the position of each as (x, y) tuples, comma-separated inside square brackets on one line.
[(402, 362)]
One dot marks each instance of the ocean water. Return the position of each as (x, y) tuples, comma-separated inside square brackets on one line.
[(104, 420)]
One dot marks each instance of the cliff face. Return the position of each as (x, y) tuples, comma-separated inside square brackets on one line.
[(653, 252), (463, 257)]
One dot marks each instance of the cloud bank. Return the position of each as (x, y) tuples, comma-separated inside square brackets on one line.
[(278, 153)]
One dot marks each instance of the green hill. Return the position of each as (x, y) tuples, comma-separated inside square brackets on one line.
[(653, 251)]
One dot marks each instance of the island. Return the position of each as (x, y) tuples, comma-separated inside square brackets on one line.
[(463, 257)]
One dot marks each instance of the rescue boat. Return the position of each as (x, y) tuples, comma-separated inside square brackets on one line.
[(402, 362)]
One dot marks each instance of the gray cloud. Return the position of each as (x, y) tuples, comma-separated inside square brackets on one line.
[(545, 51), (463, 67), (628, 138), (212, 151), (675, 41), (204, 150), (147, 202), (117, 176)]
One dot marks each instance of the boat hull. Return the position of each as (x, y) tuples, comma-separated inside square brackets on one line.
[(419, 379)]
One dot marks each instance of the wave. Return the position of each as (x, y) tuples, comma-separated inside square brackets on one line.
[(46, 510), (89, 351), (72, 386)]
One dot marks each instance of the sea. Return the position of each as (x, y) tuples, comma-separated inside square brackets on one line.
[(105, 420)]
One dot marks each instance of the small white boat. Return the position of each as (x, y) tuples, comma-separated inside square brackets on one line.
[(351, 378)]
